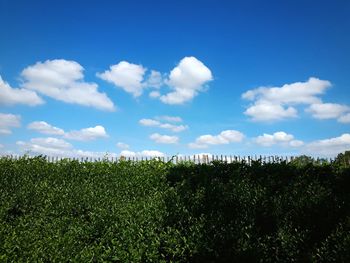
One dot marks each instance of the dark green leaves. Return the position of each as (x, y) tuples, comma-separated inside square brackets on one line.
[(153, 211)]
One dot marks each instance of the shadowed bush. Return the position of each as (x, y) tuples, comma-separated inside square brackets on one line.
[(152, 211)]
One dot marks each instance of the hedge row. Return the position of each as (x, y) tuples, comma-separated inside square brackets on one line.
[(152, 211)]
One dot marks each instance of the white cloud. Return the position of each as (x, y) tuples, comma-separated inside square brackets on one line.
[(194, 145), (329, 147), (154, 80), (145, 153), (169, 118), (127, 153), (151, 153), (47, 146), (225, 137), (186, 80), (127, 76), (11, 96), (149, 122), (266, 111), (45, 128), (329, 111), (296, 143), (154, 94), (122, 145), (63, 80), (345, 118), (275, 103), (158, 138), (169, 126), (87, 134), (280, 138), (172, 127), (295, 93), (91, 154), (8, 121), (57, 148)]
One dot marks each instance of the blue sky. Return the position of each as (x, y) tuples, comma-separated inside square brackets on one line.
[(150, 78)]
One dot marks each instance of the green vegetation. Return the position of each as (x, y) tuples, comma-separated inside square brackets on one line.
[(152, 211)]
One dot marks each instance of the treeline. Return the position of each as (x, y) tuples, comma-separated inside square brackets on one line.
[(154, 211)]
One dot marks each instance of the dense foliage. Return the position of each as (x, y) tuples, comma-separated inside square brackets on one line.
[(152, 211)]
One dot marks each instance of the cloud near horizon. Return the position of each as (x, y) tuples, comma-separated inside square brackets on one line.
[(85, 134), (278, 103), (225, 137), (278, 138)]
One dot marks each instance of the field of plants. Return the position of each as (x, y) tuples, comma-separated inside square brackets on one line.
[(154, 211)]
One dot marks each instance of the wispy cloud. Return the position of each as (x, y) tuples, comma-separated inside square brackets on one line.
[(166, 139), (9, 121), (158, 124), (85, 134)]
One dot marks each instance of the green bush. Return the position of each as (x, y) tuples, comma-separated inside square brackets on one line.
[(152, 211)]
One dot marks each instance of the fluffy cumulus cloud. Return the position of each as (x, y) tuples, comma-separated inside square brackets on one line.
[(127, 76), (278, 138), (329, 111), (158, 124), (276, 103), (144, 153), (87, 134), (57, 148), (329, 147), (122, 145), (9, 121), (63, 80), (45, 128), (186, 80), (166, 139), (225, 137), (12, 96)]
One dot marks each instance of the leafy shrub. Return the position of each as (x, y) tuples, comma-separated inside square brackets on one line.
[(152, 211)]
